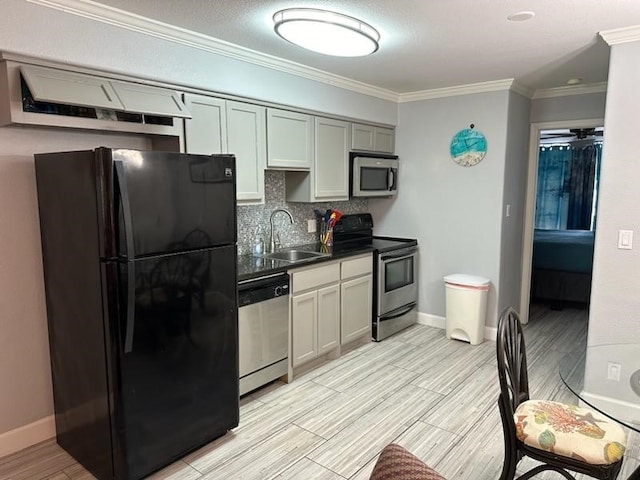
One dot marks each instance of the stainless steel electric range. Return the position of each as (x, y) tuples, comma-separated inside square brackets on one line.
[(395, 282)]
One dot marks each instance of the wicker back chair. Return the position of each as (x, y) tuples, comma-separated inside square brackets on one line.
[(563, 437)]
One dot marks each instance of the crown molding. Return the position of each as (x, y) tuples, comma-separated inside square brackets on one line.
[(147, 26), (136, 23), (484, 87), (522, 89), (621, 35), (570, 90)]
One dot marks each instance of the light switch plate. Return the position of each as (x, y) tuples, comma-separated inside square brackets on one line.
[(625, 239)]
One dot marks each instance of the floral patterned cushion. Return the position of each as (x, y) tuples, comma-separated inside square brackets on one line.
[(569, 431), (396, 463)]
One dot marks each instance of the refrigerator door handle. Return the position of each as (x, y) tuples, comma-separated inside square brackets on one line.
[(131, 307), (131, 273)]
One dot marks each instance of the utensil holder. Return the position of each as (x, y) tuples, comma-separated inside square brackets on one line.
[(326, 234)]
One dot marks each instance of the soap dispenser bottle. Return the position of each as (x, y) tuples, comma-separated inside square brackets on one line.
[(258, 243)]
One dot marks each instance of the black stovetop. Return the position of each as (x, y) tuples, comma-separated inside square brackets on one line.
[(357, 229), (388, 244)]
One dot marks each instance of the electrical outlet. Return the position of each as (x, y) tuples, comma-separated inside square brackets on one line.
[(613, 371), (311, 226)]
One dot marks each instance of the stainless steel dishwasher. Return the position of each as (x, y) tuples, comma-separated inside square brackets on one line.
[(263, 330)]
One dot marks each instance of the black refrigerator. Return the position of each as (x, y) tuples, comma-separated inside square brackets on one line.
[(139, 256)]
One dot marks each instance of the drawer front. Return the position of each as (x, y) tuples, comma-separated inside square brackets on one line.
[(356, 267), (314, 277)]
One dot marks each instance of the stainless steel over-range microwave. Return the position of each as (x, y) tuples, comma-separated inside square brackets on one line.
[(373, 175)]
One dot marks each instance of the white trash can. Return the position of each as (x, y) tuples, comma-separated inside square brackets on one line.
[(466, 305)]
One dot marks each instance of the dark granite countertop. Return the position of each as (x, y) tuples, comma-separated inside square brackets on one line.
[(250, 266)]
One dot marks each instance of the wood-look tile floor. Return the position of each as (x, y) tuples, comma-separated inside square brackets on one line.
[(434, 396)]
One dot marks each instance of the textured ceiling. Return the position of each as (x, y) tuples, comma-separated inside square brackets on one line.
[(426, 44)]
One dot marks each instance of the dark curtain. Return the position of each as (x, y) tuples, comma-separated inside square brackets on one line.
[(553, 163), (567, 186), (581, 184)]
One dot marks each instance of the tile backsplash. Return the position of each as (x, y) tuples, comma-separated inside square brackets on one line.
[(253, 220)]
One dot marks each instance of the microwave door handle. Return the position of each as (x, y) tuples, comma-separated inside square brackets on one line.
[(391, 179)]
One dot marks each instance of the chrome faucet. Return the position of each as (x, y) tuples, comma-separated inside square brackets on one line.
[(272, 237)]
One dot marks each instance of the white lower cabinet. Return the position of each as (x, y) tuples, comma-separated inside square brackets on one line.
[(356, 292), (315, 312), (304, 330), (355, 308), (328, 318), (330, 306)]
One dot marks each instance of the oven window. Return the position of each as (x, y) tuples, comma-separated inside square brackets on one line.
[(398, 274), (373, 178)]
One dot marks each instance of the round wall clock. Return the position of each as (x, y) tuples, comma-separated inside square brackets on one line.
[(468, 147)]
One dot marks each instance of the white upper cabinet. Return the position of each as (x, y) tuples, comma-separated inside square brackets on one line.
[(138, 98), (206, 130), (55, 97), (247, 140), (372, 139), (328, 179), (225, 126), (289, 140), (384, 140), (60, 86), (331, 163), (362, 137)]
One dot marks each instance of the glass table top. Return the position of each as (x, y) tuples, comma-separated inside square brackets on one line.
[(607, 378)]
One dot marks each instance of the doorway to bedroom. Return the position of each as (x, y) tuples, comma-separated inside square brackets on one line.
[(561, 215)]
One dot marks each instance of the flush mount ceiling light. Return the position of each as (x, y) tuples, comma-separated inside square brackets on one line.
[(326, 32)]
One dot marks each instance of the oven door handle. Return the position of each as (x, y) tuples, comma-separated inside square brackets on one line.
[(396, 314), (398, 256)]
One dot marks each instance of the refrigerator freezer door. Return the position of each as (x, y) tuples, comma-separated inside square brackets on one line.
[(172, 202), (178, 384)]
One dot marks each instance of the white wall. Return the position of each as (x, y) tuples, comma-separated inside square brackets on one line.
[(515, 187), (24, 352), (615, 297), (569, 107), (455, 212), (614, 315)]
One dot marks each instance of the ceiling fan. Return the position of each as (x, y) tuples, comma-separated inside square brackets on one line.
[(572, 135)]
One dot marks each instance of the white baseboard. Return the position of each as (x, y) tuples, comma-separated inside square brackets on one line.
[(629, 412), (27, 435), (490, 333), (432, 320)]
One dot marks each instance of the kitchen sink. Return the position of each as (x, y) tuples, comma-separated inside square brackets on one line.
[(294, 256)]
